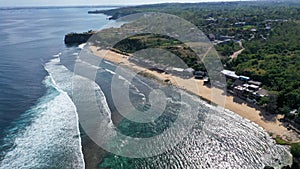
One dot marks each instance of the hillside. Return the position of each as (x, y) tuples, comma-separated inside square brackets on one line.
[(270, 34)]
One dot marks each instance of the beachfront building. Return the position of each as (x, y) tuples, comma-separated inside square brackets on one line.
[(244, 78), (181, 72), (254, 82), (230, 74), (199, 74), (189, 70), (244, 88)]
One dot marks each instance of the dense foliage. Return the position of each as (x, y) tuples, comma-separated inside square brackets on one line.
[(270, 32), (276, 63), (146, 41)]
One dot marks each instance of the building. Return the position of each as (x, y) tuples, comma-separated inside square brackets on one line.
[(211, 19), (240, 23), (184, 73), (211, 37), (255, 82), (253, 30), (251, 87), (268, 28), (222, 37), (244, 78), (199, 74), (189, 70), (262, 92), (293, 112), (230, 74), (206, 80), (238, 90)]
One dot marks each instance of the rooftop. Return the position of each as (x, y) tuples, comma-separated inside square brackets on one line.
[(230, 73), (255, 82)]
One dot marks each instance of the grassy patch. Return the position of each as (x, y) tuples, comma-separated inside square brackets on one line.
[(248, 27), (280, 141)]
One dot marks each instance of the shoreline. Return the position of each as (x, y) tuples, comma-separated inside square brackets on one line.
[(269, 122)]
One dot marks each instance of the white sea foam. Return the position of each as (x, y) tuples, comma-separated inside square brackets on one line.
[(61, 78), (53, 138), (121, 78), (112, 72), (81, 46), (110, 63), (224, 140), (88, 64), (57, 55)]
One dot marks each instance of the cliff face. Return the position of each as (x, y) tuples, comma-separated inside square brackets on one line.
[(77, 38)]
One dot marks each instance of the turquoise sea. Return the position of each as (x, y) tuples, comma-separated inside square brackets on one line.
[(39, 125), (38, 121)]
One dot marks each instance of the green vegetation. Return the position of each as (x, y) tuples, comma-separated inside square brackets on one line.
[(295, 150), (276, 63), (146, 41), (228, 49), (77, 38), (280, 141), (269, 32)]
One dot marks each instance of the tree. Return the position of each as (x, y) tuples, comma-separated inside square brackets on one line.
[(272, 103)]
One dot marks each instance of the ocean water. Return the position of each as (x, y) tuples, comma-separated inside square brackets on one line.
[(218, 139), (38, 120)]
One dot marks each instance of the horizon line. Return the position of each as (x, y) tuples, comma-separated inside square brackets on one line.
[(128, 4)]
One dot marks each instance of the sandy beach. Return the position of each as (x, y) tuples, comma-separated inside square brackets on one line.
[(268, 122)]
